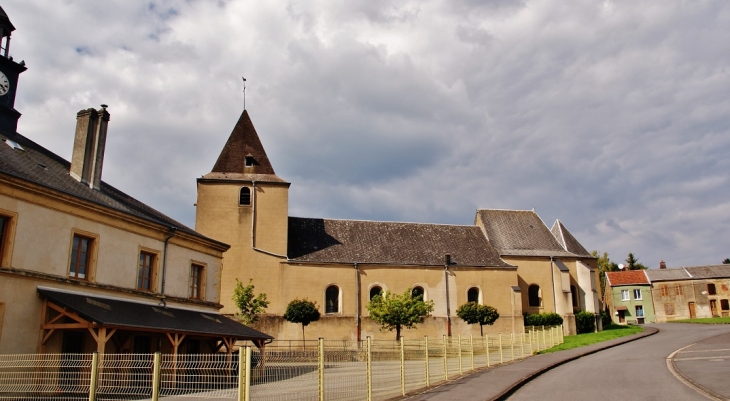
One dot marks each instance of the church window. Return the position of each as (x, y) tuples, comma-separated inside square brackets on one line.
[(244, 198), (418, 291), (574, 296), (197, 274), (534, 295), (80, 257), (146, 271), (332, 299), (376, 290), (472, 295)]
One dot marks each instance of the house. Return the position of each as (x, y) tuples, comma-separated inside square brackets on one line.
[(85, 267), (629, 297), (690, 292), (509, 259)]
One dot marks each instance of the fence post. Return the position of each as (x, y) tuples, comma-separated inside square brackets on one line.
[(471, 346), (501, 353), (156, 377), (512, 345), (461, 369), (522, 345), (425, 338), (486, 346), (552, 338), (94, 376), (369, 368), (562, 334), (544, 339), (320, 367), (446, 360), (402, 368)]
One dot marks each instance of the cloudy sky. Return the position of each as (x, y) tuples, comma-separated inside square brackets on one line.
[(613, 117)]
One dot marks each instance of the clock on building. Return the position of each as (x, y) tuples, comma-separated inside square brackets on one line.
[(9, 74), (4, 84)]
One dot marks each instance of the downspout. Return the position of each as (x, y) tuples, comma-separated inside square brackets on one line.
[(164, 263), (358, 329), (447, 262), (253, 224)]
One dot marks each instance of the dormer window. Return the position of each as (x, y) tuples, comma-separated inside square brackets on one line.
[(248, 161), (244, 198)]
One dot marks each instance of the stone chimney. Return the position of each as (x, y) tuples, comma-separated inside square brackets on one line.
[(662, 265), (89, 144)]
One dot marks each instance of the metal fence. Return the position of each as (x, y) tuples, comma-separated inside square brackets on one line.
[(313, 370)]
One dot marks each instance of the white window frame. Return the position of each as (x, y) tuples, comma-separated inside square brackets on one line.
[(639, 298), (637, 309), (625, 295)]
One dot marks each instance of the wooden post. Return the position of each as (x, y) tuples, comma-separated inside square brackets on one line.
[(320, 354), (402, 368), (369, 368), (425, 339)]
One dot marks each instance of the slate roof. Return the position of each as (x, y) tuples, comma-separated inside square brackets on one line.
[(666, 274), (5, 20), (628, 277), (711, 271), (40, 166), (567, 240), (519, 233), (134, 315), (243, 141), (356, 241)]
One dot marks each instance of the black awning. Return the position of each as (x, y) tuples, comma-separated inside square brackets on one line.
[(138, 316)]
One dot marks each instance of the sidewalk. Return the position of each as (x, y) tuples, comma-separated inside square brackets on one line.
[(497, 383)]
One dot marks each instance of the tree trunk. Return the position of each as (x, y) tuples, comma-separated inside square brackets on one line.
[(481, 329), (304, 341), (397, 332)]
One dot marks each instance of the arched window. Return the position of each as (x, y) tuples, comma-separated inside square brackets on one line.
[(332, 299), (418, 291), (244, 198), (376, 290), (574, 296), (534, 295), (472, 295)]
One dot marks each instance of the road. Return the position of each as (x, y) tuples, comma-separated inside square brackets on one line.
[(633, 371)]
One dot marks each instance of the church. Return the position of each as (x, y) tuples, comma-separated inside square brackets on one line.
[(508, 259)]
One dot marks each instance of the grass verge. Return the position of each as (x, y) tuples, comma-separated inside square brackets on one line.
[(706, 320), (580, 340)]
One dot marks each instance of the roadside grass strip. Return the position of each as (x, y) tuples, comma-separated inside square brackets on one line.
[(706, 320), (581, 340)]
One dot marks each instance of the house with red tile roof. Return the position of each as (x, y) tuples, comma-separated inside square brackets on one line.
[(628, 297)]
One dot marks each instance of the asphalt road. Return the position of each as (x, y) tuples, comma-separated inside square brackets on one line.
[(633, 371)]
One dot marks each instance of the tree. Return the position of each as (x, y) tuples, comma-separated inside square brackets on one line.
[(604, 265), (248, 304), (726, 261), (632, 263), (302, 311), (395, 311), (472, 313)]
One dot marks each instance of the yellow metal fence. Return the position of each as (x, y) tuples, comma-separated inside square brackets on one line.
[(313, 370)]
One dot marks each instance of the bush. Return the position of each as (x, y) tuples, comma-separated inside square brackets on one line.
[(585, 322), (606, 318), (543, 319)]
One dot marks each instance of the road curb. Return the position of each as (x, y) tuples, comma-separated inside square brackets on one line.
[(648, 331), (687, 381)]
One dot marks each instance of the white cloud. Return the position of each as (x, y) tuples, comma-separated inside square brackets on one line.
[(612, 117)]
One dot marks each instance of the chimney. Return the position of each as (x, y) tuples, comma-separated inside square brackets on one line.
[(89, 145), (662, 265)]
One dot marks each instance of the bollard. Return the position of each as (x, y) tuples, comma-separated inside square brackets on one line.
[(425, 339)]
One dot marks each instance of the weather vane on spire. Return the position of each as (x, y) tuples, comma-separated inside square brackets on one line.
[(244, 92)]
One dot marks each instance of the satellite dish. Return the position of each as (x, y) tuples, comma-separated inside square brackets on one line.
[(620, 266)]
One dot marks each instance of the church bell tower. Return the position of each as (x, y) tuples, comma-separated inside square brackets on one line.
[(9, 73)]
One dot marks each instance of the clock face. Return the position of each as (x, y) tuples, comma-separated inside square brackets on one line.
[(4, 84)]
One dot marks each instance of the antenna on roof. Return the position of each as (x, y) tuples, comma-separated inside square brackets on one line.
[(244, 92)]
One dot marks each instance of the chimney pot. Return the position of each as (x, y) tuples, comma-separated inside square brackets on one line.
[(89, 144), (662, 265)]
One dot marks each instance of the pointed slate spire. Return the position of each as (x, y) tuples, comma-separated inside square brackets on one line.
[(567, 240), (243, 152)]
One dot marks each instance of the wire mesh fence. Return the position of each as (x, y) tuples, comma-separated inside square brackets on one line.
[(284, 370)]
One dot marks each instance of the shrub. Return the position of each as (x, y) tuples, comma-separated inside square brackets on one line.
[(585, 322), (606, 318), (543, 319)]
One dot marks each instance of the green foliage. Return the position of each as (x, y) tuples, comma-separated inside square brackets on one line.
[(585, 322), (632, 263), (726, 261), (472, 313), (581, 340), (543, 319), (606, 319), (604, 265), (248, 304), (394, 311), (302, 311)]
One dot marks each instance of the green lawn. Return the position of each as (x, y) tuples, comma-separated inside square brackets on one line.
[(608, 333), (707, 320)]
